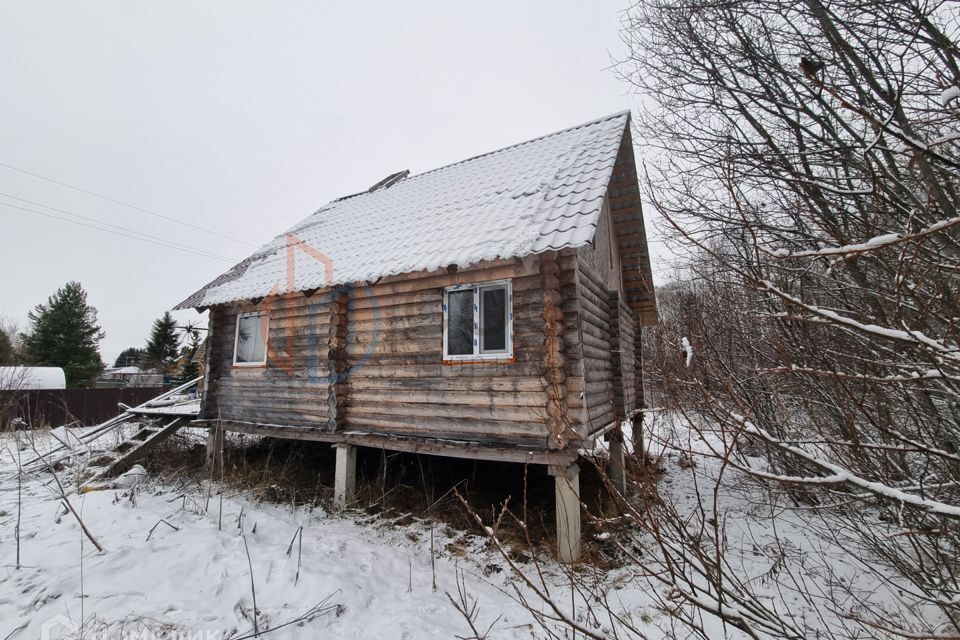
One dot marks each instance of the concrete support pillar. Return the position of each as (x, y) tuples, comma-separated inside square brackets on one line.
[(617, 471), (567, 483), (345, 482), (639, 446), (215, 451)]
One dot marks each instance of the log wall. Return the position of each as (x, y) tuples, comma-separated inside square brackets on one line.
[(295, 387), (629, 346), (369, 359), (603, 254), (398, 383), (597, 346), (625, 369), (610, 344)]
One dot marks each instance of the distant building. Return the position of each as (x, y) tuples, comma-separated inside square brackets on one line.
[(24, 378), (129, 377)]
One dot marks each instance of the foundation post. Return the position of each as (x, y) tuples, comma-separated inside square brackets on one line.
[(639, 446), (215, 451), (617, 471), (567, 483), (345, 482)]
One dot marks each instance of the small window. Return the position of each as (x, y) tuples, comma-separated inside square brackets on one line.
[(251, 341), (477, 321)]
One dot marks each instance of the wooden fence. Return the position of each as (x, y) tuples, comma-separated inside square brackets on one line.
[(64, 406)]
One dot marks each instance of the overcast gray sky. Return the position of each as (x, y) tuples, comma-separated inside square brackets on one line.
[(244, 117)]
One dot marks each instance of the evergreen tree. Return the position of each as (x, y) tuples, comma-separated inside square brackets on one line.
[(64, 333), (130, 357), (163, 345), (7, 354), (190, 370)]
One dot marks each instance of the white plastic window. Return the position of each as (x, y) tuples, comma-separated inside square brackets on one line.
[(250, 346), (477, 321)]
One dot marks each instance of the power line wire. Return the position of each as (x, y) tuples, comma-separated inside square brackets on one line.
[(116, 226), (162, 243), (126, 204), (119, 233)]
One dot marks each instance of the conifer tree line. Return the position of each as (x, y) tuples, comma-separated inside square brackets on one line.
[(64, 332)]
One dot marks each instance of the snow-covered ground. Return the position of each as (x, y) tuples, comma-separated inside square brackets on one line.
[(806, 564), (176, 564)]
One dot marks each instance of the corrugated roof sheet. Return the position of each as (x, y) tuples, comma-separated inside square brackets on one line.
[(539, 195)]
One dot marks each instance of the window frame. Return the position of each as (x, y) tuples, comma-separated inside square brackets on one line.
[(478, 355), (236, 339)]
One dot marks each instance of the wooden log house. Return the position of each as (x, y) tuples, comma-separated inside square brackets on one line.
[(490, 309)]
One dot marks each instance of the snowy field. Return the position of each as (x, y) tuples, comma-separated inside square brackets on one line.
[(176, 565)]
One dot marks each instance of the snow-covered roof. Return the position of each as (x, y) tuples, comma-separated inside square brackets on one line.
[(539, 195), (23, 378), (121, 371)]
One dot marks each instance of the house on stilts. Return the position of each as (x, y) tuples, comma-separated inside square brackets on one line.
[(490, 309)]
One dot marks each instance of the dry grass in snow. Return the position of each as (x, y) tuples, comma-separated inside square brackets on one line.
[(176, 564)]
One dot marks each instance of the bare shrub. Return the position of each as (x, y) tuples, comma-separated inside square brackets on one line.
[(807, 157)]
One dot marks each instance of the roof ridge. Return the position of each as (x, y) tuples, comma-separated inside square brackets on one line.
[(337, 201), (625, 112)]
